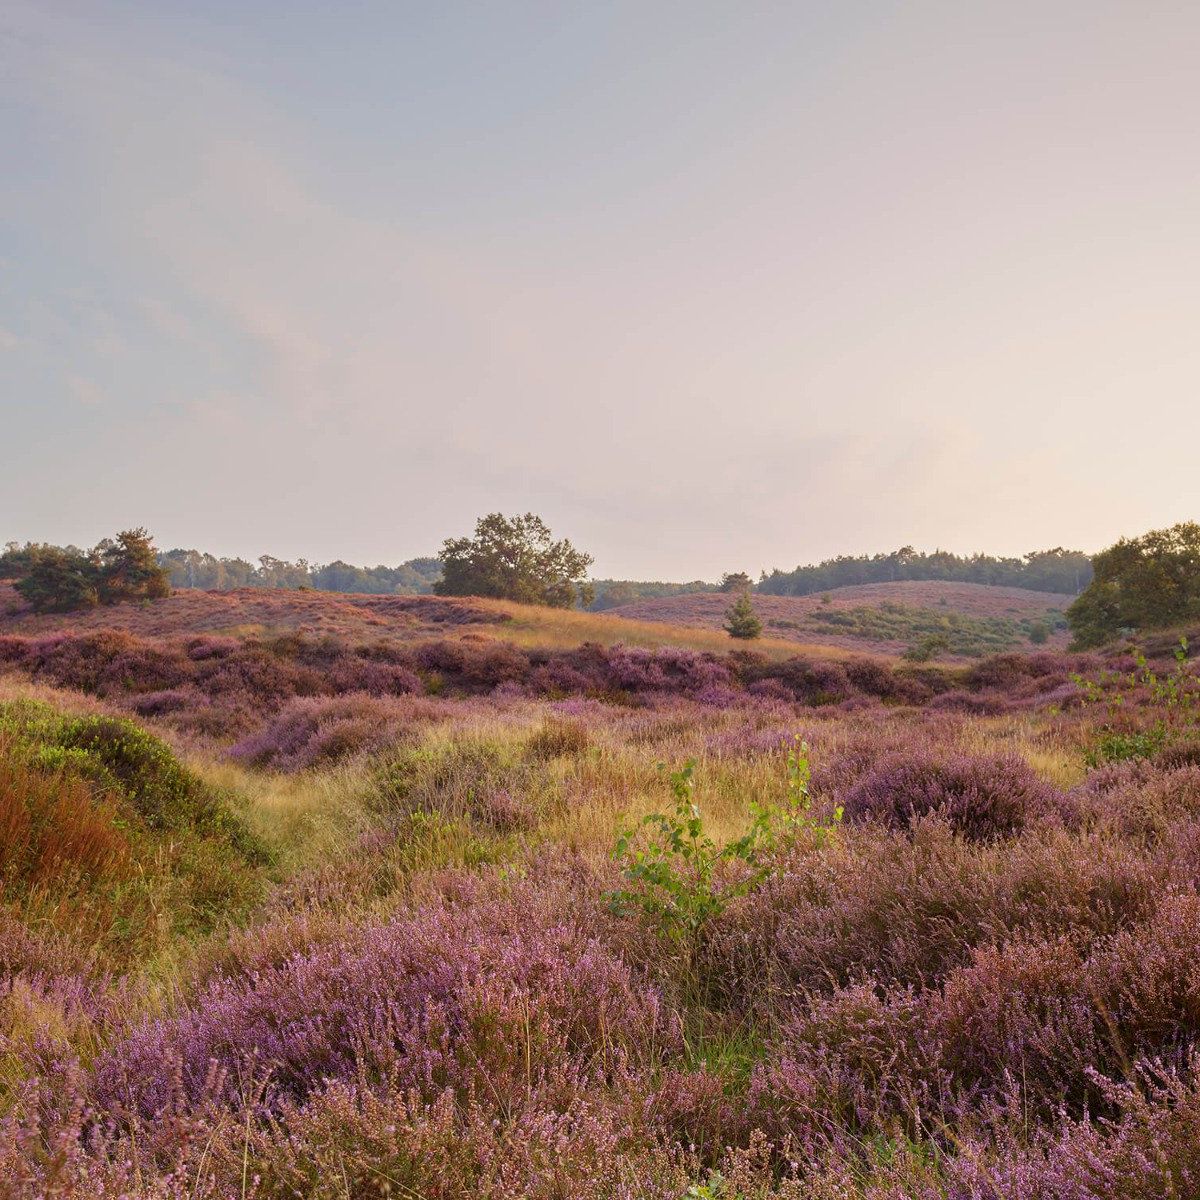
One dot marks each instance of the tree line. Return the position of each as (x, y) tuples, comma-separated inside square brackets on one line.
[(196, 569), (1139, 584), (1057, 570)]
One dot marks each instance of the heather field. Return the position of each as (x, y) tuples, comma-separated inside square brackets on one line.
[(886, 618), (299, 904)]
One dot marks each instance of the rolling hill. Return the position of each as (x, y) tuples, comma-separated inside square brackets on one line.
[(884, 618)]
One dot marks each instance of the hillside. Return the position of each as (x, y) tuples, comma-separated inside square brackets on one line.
[(884, 618), (389, 856), (365, 619)]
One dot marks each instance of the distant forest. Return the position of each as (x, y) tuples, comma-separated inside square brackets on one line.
[(195, 569), (1057, 570)]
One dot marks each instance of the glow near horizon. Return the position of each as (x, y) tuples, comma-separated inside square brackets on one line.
[(710, 288)]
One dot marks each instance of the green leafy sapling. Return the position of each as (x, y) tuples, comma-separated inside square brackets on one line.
[(677, 874)]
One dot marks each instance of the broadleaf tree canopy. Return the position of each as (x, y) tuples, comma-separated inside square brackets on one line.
[(515, 558)]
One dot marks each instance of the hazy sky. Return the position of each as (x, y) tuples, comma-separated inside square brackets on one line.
[(709, 286)]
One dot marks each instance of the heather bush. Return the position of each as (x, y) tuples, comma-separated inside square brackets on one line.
[(979, 797), (908, 909), (1148, 1149), (310, 732), (557, 738), (485, 1000)]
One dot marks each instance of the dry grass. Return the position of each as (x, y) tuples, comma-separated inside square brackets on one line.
[(306, 818), (558, 628)]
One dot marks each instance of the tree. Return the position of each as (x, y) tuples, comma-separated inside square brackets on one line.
[(514, 558), (58, 580), (129, 569), (1148, 582), (63, 579), (741, 621), (735, 581)]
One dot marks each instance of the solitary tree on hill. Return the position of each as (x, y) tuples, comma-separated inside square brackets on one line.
[(515, 558), (741, 621)]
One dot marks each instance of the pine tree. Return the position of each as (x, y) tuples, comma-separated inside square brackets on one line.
[(741, 621), (129, 569)]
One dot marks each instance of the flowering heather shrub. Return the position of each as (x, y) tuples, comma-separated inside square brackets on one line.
[(1019, 1013), (745, 741), (377, 678), (977, 705), (309, 732), (1137, 799), (1183, 753), (485, 1000), (908, 910), (211, 646), (1008, 671), (104, 663), (850, 1061), (980, 797), (169, 700), (1148, 1150), (40, 952)]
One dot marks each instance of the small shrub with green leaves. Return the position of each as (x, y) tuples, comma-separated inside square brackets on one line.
[(677, 874), (927, 648), (1174, 697)]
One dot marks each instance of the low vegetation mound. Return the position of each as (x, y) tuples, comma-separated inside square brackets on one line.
[(105, 831), (980, 797)]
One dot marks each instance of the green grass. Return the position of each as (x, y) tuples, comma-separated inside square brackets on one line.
[(964, 635)]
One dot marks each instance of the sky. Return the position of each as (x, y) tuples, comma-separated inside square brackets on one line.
[(710, 287)]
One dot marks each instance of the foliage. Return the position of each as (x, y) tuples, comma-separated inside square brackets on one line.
[(612, 593), (927, 648), (681, 879), (104, 832), (1057, 570), (961, 633), (129, 569), (1148, 582), (514, 558), (197, 569), (1173, 700), (57, 580), (734, 582), (741, 621)]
